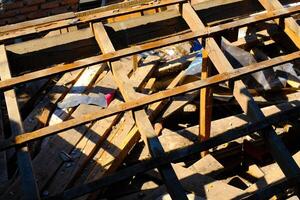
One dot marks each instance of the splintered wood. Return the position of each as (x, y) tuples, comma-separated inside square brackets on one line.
[(152, 100)]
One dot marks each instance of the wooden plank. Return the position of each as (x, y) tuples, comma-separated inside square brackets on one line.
[(49, 157), (85, 81), (207, 165), (3, 161), (188, 136), (207, 32), (81, 19), (177, 154), (244, 98), (50, 42), (273, 174), (123, 140), (205, 102), (202, 185), (104, 135), (291, 27), (144, 125), (50, 130), (28, 182)]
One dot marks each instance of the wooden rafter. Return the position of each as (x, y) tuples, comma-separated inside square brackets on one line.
[(243, 97), (203, 33), (141, 118), (234, 74), (29, 185), (137, 103)]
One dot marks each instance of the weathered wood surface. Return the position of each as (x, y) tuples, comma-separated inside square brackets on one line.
[(202, 185), (206, 32), (147, 100), (172, 156), (243, 97), (28, 181), (142, 122)]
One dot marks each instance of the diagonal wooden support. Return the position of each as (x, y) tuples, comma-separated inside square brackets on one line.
[(146, 100), (143, 123), (243, 97), (290, 26), (28, 183), (207, 32)]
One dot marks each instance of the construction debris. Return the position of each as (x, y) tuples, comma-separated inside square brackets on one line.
[(149, 100)]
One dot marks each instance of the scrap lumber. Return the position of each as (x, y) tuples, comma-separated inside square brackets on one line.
[(28, 181), (207, 32), (273, 174), (80, 19), (104, 131), (290, 26), (85, 146), (170, 157), (100, 139), (144, 125), (124, 137), (49, 156), (207, 165), (39, 116), (46, 131), (202, 185), (277, 148), (3, 161), (86, 80), (188, 136)]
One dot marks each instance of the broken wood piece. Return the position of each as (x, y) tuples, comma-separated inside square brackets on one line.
[(85, 80), (141, 118), (6, 84), (207, 165), (146, 100), (204, 186), (277, 148), (290, 26), (3, 161), (273, 173)]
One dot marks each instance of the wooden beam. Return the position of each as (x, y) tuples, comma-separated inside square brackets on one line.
[(290, 26), (205, 102), (3, 160), (28, 183), (80, 19), (234, 74), (207, 32), (144, 125), (172, 156), (244, 98)]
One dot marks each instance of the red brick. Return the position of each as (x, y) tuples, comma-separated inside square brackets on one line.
[(64, 2), (12, 5), (2, 22), (9, 13), (16, 19), (28, 9), (59, 10), (38, 14), (49, 5), (34, 2)]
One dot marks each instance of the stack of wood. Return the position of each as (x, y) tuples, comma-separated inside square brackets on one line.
[(165, 134)]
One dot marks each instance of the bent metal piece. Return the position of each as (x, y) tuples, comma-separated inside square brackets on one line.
[(207, 32), (234, 74)]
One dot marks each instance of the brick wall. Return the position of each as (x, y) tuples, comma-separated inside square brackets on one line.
[(14, 11)]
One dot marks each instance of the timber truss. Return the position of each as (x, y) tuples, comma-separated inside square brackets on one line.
[(208, 34)]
